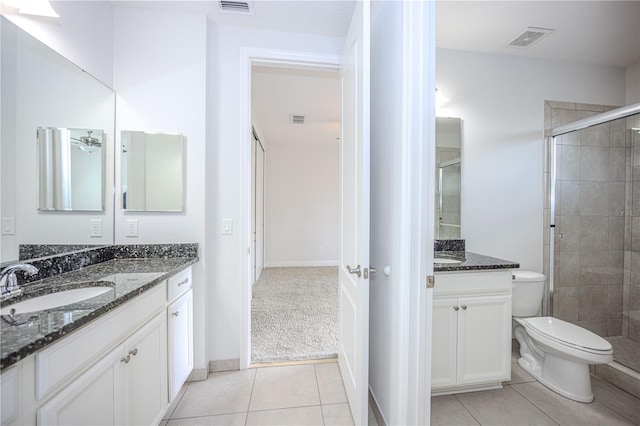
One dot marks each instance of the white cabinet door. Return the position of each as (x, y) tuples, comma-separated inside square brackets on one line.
[(92, 399), (146, 373), (484, 339), (180, 319), (444, 343)]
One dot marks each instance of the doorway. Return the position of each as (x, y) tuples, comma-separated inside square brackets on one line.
[(294, 303)]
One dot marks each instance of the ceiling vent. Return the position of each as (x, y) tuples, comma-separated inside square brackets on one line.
[(236, 7), (528, 37), (296, 119)]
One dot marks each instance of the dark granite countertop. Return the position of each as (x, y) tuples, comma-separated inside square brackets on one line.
[(24, 334), (470, 262)]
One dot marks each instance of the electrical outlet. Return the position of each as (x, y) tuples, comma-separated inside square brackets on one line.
[(95, 228), (132, 227)]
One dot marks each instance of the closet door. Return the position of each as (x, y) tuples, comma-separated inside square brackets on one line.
[(254, 144), (259, 222)]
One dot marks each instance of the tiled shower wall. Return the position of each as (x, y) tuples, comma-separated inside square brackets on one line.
[(595, 262)]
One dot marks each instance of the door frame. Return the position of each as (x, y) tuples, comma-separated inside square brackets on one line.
[(274, 58)]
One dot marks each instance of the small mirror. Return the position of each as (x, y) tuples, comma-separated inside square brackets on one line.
[(152, 171), (448, 177), (70, 169)]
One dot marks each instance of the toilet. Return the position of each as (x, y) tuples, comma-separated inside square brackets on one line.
[(555, 352)]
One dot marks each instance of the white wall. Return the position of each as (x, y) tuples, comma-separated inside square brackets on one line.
[(501, 102), (228, 188), (302, 189), (160, 76)]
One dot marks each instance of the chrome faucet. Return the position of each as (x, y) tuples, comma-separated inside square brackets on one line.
[(9, 282)]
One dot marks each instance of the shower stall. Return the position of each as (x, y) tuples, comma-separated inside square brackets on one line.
[(592, 223)]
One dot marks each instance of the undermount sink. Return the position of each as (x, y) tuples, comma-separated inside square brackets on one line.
[(446, 260), (54, 300)]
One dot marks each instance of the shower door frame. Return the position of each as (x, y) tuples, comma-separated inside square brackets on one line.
[(551, 140)]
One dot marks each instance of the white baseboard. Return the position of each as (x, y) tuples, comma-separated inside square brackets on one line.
[(198, 375), (300, 263), (375, 408), (224, 365)]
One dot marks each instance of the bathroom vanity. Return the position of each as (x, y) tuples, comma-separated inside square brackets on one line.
[(472, 323), (118, 358)]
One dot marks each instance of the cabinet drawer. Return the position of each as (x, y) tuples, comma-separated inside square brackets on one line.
[(71, 355), (472, 282), (178, 284)]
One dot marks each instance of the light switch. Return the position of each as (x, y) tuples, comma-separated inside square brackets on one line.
[(132, 227), (95, 227), (8, 226), (227, 226)]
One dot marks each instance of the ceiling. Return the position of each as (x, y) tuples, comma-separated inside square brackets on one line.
[(322, 17), (595, 32), (278, 92)]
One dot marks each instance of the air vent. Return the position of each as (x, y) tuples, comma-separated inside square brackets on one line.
[(236, 7), (296, 119), (528, 37)]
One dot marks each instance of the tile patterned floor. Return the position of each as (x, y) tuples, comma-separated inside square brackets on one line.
[(524, 401), (313, 394)]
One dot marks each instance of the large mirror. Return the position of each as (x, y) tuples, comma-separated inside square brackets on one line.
[(448, 177), (42, 91), (152, 171), (70, 169)]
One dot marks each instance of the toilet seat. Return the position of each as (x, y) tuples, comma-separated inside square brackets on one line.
[(567, 334)]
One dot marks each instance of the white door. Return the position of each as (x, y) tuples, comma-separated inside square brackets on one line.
[(353, 353)]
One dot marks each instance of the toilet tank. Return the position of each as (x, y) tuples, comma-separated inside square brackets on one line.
[(527, 292)]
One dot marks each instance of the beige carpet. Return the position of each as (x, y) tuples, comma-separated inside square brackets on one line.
[(294, 314)]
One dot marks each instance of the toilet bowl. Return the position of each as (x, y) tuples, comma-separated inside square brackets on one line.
[(555, 352)]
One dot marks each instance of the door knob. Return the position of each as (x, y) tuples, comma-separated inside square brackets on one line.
[(355, 271)]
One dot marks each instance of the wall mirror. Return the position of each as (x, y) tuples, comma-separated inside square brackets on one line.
[(44, 95), (70, 169), (448, 177), (152, 171)]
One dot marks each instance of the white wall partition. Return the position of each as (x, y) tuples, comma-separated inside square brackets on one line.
[(160, 78)]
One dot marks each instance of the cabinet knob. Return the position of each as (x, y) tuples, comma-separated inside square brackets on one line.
[(133, 351), (183, 282), (125, 359), (464, 307), (455, 308), (176, 313)]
